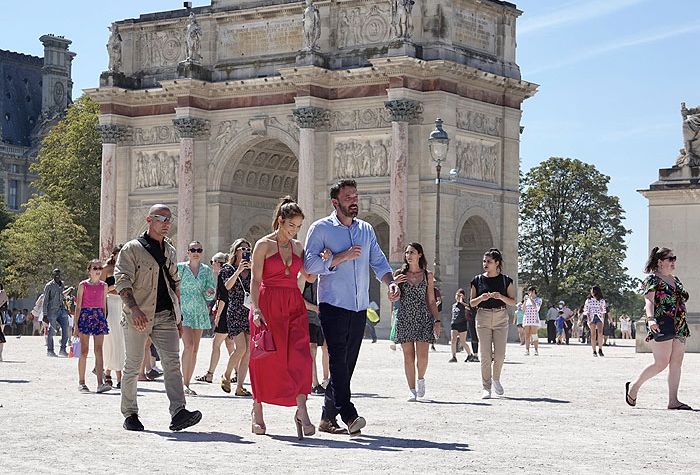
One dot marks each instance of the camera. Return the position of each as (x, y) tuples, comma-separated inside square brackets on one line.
[(245, 256)]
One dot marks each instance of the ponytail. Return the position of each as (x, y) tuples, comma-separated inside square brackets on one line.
[(655, 255), (496, 255)]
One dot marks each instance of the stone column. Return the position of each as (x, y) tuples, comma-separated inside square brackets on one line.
[(402, 111), (188, 129), (308, 119), (110, 134)]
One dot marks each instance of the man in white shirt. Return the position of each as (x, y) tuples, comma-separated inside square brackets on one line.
[(552, 315)]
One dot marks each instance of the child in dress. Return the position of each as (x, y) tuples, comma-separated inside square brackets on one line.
[(560, 323), (89, 320)]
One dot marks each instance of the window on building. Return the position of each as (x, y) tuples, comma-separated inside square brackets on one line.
[(14, 168), (13, 195)]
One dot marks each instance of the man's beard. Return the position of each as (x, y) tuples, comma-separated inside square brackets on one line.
[(348, 212)]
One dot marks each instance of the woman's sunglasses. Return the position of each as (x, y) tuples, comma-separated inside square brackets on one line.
[(96, 268), (196, 250), (669, 258)]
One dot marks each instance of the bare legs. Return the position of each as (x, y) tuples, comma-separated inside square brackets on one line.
[(219, 338), (190, 338), (238, 360), (465, 344), (82, 361), (258, 421), (666, 353), (415, 356), (596, 335), (529, 331)]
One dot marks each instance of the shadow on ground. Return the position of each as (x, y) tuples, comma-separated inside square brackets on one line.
[(14, 381), (200, 437), (537, 399), (378, 443)]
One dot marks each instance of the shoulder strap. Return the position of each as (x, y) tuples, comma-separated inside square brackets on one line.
[(159, 258)]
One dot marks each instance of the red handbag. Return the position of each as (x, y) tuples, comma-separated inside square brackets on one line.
[(263, 344)]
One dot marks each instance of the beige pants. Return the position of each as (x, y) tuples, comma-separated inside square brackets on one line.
[(492, 329), (163, 332)]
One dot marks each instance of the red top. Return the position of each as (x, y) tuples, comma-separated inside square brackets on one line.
[(93, 294)]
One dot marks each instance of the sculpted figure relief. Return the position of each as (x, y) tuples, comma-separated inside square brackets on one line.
[(401, 18), (312, 26), (355, 158), (477, 160), (193, 39), (114, 49), (690, 154), (156, 169)]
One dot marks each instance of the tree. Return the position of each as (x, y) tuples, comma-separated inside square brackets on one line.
[(42, 238), (69, 166), (5, 216), (571, 233)]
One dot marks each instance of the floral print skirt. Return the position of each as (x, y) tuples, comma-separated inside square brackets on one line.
[(92, 321)]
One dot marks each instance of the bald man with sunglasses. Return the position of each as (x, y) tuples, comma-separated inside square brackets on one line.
[(149, 285)]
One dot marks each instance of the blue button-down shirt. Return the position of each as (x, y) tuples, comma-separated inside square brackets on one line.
[(347, 284)]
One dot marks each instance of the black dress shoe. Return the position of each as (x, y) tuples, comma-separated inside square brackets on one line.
[(185, 419), (133, 423)]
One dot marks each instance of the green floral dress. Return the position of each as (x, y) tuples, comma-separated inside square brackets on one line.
[(668, 303), (195, 292)]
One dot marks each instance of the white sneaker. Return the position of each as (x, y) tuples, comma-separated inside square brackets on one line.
[(103, 388), (486, 394), (412, 395), (393, 346), (420, 390), (497, 387)]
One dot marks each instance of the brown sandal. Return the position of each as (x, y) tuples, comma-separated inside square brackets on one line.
[(225, 384)]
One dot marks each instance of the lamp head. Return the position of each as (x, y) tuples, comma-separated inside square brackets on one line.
[(438, 142)]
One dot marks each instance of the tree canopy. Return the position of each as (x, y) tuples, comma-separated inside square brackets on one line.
[(69, 166), (40, 239), (571, 233)]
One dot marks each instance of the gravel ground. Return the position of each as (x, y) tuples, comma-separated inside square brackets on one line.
[(563, 411)]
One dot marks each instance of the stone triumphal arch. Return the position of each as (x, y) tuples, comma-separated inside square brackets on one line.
[(220, 110)]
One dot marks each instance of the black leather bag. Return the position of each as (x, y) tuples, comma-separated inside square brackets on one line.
[(667, 329)]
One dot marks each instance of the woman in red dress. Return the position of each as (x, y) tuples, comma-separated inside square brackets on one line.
[(283, 377)]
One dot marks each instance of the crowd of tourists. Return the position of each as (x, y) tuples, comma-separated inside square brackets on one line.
[(275, 303)]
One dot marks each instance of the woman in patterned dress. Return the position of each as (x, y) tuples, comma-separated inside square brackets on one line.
[(595, 309), (236, 278), (664, 297), (417, 318), (196, 289), (531, 319)]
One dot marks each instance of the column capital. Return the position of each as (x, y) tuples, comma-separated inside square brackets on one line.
[(404, 110), (111, 133), (311, 117), (191, 127)]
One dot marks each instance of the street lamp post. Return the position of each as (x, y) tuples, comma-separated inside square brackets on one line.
[(438, 143)]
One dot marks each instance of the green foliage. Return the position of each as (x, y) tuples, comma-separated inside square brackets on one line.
[(69, 166), (5, 216), (571, 234), (40, 239)]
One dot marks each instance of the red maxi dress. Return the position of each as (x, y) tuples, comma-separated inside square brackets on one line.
[(280, 377)]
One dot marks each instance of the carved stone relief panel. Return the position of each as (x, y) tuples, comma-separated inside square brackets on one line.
[(158, 134), (156, 169), (225, 133), (360, 119), (477, 160), (279, 35), (479, 122), (363, 24), (365, 157), (155, 49), (473, 28)]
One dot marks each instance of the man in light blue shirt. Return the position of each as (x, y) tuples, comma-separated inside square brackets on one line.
[(341, 249)]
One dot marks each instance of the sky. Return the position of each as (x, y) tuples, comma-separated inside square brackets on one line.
[(612, 75)]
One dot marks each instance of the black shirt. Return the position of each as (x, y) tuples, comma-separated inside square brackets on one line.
[(221, 290), (484, 284), (163, 300), (459, 313)]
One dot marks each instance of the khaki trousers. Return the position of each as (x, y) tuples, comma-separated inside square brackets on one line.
[(492, 329), (163, 332)]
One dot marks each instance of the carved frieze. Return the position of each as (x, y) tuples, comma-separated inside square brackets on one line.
[(477, 160), (362, 158), (404, 110), (474, 29), (225, 132), (479, 122), (155, 49), (156, 169), (359, 119), (242, 40), (159, 134), (363, 24)]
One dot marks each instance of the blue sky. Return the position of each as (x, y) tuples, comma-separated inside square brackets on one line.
[(612, 75)]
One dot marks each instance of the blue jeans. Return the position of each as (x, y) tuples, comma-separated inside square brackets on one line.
[(343, 330), (61, 319)]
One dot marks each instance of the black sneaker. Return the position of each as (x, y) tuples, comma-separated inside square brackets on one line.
[(185, 419), (318, 390), (133, 423), (600, 352), (475, 359), (63, 353), (51, 354), (595, 353), (153, 374), (453, 359)]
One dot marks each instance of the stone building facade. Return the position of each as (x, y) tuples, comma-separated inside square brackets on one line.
[(34, 93), (220, 110)]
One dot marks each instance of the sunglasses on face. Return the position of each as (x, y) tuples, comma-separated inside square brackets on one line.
[(161, 218), (243, 249), (669, 258), (96, 268), (196, 250)]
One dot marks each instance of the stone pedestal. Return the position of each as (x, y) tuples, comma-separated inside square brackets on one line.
[(402, 48), (189, 129), (311, 58), (307, 119), (193, 70), (402, 111), (117, 79), (674, 222), (110, 134)]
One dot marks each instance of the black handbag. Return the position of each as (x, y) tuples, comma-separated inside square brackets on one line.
[(667, 329)]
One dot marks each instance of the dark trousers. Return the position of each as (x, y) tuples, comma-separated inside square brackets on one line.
[(343, 330), (551, 331), (568, 325), (471, 324)]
